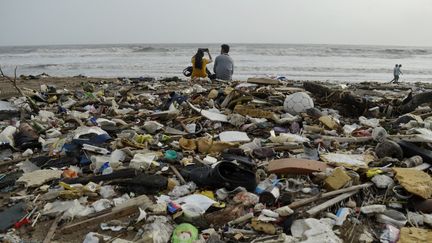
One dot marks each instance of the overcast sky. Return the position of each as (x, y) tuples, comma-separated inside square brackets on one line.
[(381, 22)]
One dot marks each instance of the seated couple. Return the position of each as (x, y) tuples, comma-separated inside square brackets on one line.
[(223, 67)]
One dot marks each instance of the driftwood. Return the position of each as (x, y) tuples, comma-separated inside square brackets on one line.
[(13, 81), (359, 105), (415, 102), (348, 98), (329, 203), (52, 229), (125, 209), (305, 201), (177, 173)]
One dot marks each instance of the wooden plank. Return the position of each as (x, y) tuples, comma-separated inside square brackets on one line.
[(263, 81), (305, 201), (296, 166), (177, 173), (52, 229), (329, 203), (347, 139), (127, 208)]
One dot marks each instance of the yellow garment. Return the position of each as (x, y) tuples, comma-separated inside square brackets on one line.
[(199, 73)]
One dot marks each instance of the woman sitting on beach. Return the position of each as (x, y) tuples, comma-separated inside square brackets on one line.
[(199, 64)]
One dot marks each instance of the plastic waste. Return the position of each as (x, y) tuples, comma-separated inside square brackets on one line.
[(265, 184), (7, 135), (373, 122), (192, 211), (341, 215), (142, 215), (284, 211), (197, 200), (152, 126), (246, 198), (101, 204), (233, 136), (142, 161), (106, 169), (95, 149), (179, 191), (157, 230), (91, 237), (376, 208), (379, 134), (184, 233), (270, 213), (119, 200), (412, 162), (71, 209), (107, 191), (170, 155), (390, 234)]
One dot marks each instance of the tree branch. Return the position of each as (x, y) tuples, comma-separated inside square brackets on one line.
[(32, 104)]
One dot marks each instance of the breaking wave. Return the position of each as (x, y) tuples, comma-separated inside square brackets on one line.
[(150, 49)]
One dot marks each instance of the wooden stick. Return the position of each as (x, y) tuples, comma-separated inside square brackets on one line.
[(52, 229), (32, 104), (177, 173), (127, 208), (300, 203), (329, 203), (348, 139)]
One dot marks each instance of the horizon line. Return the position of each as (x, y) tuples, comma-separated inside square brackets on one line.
[(200, 43)]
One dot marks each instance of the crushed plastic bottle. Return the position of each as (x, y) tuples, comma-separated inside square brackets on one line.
[(183, 190)]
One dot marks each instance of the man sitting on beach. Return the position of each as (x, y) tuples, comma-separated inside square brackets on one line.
[(224, 65)]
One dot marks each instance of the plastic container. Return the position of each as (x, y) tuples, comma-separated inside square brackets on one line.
[(373, 209), (106, 169), (266, 184), (185, 233), (170, 155), (284, 211), (412, 162), (342, 214), (192, 211)]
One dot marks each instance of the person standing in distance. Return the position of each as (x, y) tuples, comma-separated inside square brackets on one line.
[(395, 74), (224, 64), (399, 72)]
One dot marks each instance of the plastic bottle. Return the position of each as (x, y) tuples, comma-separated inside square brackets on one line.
[(412, 162), (376, 208), (270, 195), (342, 214), (106, 169), (182, 190), (265, 184)]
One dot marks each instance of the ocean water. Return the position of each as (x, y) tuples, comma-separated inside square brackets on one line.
[(347, 63)]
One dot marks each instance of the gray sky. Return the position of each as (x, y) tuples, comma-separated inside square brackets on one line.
[(382, 22)]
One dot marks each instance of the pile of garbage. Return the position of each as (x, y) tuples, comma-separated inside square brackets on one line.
[(263, 160)]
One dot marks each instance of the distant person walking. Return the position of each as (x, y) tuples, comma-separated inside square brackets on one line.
[(199, 63), (224, 64), (396, 73)]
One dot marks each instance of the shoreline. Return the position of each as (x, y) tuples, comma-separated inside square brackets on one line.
[(72, 83)]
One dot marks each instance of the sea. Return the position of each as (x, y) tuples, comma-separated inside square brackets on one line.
[(345, 63)]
